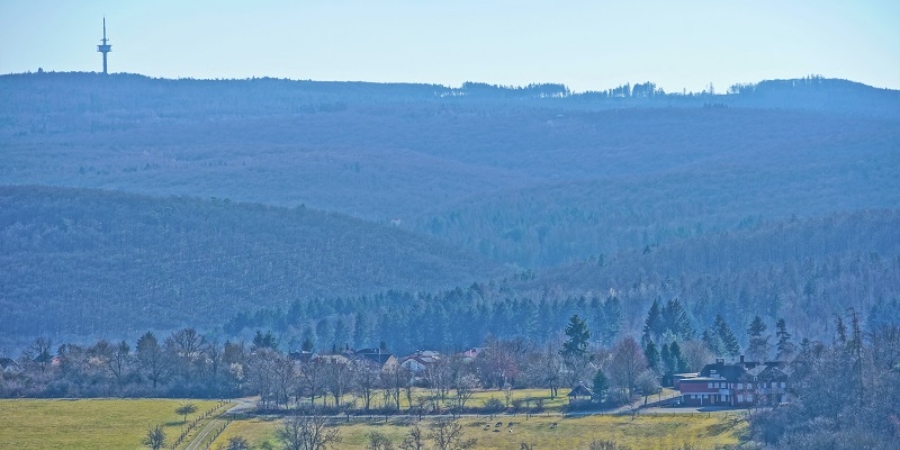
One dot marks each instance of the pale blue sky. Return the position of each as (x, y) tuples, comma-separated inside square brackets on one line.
[(582, 43)]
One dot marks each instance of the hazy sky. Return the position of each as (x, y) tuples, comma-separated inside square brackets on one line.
[(586, 44)]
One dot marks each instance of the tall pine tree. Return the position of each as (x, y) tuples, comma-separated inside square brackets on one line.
[(654, 325), (758, 348), (730, 343), (653, 358), (784, 348)]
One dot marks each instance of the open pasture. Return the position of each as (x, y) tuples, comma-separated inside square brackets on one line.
[(703, 431), (89, 423)]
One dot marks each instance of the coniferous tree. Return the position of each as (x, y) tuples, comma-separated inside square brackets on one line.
[(578, 336), (729, 341), (784, 347), (758, 348), (600, 384), (678, 358), (677, 320), (667, 363), (712, 341), (653, 358), (654, 325), (757, 327), (841, 330), (612, 313), (574, 351), (267, 340)]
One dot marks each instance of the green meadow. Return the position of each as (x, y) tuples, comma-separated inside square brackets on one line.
[(664, 432), (89, 423)]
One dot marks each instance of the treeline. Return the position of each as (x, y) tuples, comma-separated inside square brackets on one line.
[(187, 363), (450, 320), (842, 393), (270, 95), (806, 270)]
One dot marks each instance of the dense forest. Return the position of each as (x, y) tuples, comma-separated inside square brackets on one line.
[(307, 207), (87, 262)]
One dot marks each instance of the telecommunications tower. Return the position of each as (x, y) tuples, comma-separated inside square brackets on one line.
[(104, 47)]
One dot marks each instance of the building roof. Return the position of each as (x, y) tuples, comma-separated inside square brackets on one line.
[(580, 391), (741, 371), (378, 358), (7, 363)]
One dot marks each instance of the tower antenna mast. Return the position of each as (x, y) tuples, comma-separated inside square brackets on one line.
[(104, 47)]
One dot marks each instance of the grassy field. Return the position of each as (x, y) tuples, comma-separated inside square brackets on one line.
[(554, 432), (122, 424), (528, 399), (88, 424)]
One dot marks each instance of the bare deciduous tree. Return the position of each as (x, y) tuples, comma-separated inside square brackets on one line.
[(238, 443), (447, 434), (378, 441), (414, 440), (154, 363), (366, 381), (627, 363), (307, 432)]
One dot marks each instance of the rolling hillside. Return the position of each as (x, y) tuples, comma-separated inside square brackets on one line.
[(531, 176), (335, 190), (87, 262)]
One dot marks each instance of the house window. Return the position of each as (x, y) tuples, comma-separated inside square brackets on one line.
[(783, 385), (709, 385), (740, 385), (749, 398), (740, 399), (749, 385)]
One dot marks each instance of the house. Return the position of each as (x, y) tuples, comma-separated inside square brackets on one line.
[(8, 365), (738, 384), (420, 361), (470, 354), (676, 378), (580, 394), (302, 356), (385, 361)]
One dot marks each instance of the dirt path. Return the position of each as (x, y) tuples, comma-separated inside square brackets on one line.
[(243, 405), (209, 429)]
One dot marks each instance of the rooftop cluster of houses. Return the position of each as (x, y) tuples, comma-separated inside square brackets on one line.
[(738, 384), (416, 362)]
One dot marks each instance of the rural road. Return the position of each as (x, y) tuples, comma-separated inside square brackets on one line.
[(209, 429), (243, 405)]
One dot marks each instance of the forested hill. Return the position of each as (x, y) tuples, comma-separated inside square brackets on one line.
[(534, 176), (804, 271), (88, 262), (807, 271)]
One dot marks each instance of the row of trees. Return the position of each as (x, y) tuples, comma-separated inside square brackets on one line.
[(844, 393), (457, 318), (190, 364)]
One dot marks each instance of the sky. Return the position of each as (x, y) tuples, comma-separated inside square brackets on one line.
[(585, 44)]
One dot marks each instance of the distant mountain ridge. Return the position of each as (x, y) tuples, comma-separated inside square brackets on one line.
[(268, 96)]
